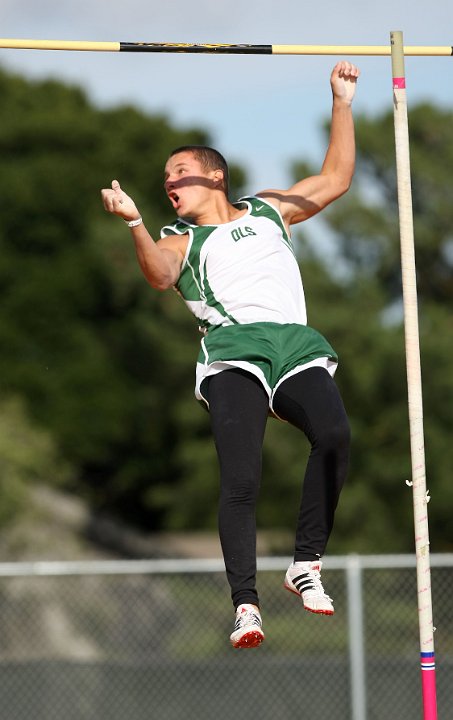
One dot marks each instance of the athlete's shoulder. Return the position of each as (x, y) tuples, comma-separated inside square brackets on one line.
[(176, 227)]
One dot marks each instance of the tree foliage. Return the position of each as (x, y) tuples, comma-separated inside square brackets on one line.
[(98, 369), (27, 454)]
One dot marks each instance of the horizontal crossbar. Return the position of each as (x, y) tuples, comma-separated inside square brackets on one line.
[(221, 49)]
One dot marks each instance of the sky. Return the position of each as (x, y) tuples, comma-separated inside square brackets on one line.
[(261, 111)]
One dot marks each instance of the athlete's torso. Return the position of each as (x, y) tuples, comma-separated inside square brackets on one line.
[(243, 271)]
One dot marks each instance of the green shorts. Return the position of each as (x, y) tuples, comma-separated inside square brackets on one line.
[(270, 351)]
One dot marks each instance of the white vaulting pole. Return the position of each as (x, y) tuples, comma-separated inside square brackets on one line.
[(414, 383)]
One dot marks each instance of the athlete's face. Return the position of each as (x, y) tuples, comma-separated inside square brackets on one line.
[(187, 184)]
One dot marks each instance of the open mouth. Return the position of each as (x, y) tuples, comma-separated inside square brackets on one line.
[(174, 199)]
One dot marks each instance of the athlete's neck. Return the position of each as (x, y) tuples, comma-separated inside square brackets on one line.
[(217, 212)]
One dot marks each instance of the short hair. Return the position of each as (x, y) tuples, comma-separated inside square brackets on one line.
[(209, 159)]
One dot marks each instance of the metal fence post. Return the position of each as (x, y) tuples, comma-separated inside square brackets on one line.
[(356, 637)]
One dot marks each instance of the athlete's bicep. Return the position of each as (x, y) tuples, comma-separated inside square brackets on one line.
[(173, 249), (303, 200)]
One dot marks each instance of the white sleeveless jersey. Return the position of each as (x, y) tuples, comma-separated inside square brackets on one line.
[(241, 272)]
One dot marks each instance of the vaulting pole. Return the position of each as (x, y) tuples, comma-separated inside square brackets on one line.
[(414, 383), (220, 49)]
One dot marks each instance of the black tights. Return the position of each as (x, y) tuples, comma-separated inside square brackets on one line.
[(239, 409)]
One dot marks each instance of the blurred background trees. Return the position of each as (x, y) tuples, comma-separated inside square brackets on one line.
[(97, 369)]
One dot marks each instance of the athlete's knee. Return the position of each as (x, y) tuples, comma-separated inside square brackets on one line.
[(334, 437), (241, 490)]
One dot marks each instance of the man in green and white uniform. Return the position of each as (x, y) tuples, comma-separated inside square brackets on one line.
[(242, 281), (234, 266)]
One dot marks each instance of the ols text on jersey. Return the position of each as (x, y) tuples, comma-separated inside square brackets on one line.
[(242, 232)]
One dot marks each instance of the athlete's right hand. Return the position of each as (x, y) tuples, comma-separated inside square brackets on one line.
[(116, 201)]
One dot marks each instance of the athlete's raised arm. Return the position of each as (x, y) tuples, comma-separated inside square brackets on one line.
[(310, 195), (160, 261)]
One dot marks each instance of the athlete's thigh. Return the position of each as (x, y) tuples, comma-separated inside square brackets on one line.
[(238, 406), (311, 401)]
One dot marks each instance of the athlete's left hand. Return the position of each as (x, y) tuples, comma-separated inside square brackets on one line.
[(343, 80)]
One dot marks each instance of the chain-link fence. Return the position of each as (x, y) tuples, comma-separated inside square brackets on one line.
[(149, 639)]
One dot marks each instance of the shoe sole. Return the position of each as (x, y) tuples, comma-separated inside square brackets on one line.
[(250, 639), (308, 609)]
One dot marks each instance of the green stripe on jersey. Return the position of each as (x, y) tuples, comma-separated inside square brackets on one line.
[(190, 283), (213, 302)]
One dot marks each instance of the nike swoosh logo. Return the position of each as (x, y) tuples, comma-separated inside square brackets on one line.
[(259, 207)]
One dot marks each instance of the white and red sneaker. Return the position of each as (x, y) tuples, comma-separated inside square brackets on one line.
[(304, 579), (247, 631)]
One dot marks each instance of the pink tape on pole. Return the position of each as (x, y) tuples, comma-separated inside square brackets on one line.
[(428, 685), (399, 83)]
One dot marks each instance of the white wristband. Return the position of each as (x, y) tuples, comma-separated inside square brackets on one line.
[(134, 223)]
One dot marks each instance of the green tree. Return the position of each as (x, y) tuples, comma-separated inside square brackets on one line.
[(27, 455)]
